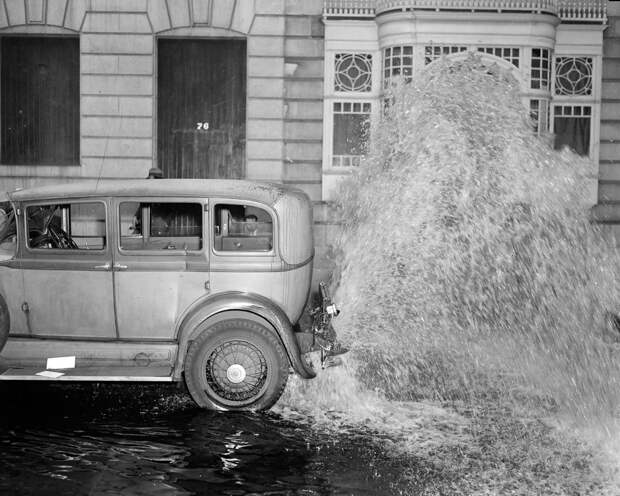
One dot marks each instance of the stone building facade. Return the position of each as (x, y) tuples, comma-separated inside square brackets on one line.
[(278, 90), (118, 68)]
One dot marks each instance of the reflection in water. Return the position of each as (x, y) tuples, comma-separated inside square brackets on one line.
[(108, 440)]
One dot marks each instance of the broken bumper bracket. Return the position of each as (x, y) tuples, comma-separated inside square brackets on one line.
[(322, 336)]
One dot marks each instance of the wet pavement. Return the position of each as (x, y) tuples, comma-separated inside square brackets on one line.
[(149, 440)]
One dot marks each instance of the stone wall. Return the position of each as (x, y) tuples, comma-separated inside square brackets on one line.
[(609, 167), (607, 210), (118, 81)]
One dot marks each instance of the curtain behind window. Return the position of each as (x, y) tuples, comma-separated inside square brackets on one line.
[(573, 132)]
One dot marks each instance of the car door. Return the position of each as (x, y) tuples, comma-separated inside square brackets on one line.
[(161, 263), (67, 270)]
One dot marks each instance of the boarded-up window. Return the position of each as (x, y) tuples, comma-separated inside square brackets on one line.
[(201, 108), (39, 101)]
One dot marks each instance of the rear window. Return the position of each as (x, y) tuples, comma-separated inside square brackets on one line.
[(242, 228)]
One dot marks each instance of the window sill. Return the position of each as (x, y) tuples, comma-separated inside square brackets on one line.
[(342, 171)]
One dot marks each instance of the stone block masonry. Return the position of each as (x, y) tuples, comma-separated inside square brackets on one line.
[(118, 81)]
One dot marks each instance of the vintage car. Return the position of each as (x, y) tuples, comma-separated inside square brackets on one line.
[(161, 280)]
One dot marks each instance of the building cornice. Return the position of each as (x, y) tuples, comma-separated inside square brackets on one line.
[(583, 11)]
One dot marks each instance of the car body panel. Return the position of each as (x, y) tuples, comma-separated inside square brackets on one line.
[(148, 304), (70, 303), (27, 351)]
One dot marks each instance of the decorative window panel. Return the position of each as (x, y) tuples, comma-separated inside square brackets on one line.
[(539, 112), (397, 62), (351, 127), (434, 52), (573, 76), (353, 72), (509, 54), (571, 126), (539, 78)]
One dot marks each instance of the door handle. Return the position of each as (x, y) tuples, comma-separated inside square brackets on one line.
[(105, 266), (118, 266)]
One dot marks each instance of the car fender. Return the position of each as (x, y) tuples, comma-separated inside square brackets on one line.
[(237, 304)]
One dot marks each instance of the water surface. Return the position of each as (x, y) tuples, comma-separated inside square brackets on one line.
[(110, 439)]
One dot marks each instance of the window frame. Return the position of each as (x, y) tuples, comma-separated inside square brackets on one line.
[(541, 127), (344, 101), (204, 205), (405, 71), (544, 80), (433, 52), (275, 222), (573, 104), (65, 251), (557, 91), (367, 57)]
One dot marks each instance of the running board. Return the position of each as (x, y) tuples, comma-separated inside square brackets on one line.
[(88, 374)]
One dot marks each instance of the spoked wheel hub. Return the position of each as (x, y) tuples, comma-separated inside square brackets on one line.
[(236, 371)]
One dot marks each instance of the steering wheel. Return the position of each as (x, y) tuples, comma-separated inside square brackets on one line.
[(62, 238), (51, 236), (54, 237)]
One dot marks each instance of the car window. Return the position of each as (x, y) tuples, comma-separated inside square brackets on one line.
[(67, 226), (8, 235), (154, 226), (242, 228)]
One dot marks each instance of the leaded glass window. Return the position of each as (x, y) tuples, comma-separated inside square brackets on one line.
[(539, 79), (434, 52), (509, 54), (351, 127), (573, 76), (397, 62), (353, 72)]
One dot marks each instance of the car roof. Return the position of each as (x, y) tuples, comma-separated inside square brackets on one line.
[(267, 193)]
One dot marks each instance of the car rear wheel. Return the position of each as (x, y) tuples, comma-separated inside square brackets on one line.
[(236, 364)]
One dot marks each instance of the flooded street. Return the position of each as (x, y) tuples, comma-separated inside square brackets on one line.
[(106, 440)]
